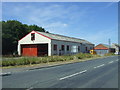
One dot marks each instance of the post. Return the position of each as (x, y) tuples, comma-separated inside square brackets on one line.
[(19, 49), (49, 49), (109, 41)]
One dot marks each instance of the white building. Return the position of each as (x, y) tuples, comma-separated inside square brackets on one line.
[(40, 43), (116, 47)]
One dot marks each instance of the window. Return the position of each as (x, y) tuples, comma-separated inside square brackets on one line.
[(67, 47), (55, 47), (74, 49), (32, 36), (91, 48), (86, 48), (63, 47), (78, 48)]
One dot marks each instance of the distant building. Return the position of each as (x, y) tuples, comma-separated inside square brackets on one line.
[(117, 47), (102, 49), (40, 43)]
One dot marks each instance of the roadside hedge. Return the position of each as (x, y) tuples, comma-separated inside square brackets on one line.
[(38, 60)]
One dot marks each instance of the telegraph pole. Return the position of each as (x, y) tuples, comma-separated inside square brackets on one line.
[(109, 41)]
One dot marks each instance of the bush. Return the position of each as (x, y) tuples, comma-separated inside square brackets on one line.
[(83, 55), (109, 54), (38, 60)]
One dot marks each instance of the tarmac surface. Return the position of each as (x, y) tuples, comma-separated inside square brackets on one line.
[(99, 73)]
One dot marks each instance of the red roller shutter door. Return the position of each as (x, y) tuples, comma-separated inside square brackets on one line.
[(29, 50)]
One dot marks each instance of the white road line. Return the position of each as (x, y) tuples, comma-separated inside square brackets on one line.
[(111, 62), (2, 74), (29, 88), (95, 67), (72, 75), (99, 66), (117, 60)]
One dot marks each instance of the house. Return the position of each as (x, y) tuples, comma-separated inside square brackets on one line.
[(117, 47), (40, 43), (102, 49)]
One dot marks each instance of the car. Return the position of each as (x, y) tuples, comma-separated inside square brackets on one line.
[(117, 53)]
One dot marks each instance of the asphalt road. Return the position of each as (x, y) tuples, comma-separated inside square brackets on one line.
[(99, 73)]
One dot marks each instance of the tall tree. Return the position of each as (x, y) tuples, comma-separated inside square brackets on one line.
[(12, 31), (36, 28)]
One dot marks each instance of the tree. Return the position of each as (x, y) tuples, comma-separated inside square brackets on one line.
[(36, 28), (12, 31)]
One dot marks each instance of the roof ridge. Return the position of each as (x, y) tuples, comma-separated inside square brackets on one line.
[(63, 36), (82, 40)]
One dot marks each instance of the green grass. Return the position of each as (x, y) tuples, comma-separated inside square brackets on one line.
[(109, 54), (47, 59)]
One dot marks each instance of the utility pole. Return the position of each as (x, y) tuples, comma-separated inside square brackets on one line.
[(109, 41)]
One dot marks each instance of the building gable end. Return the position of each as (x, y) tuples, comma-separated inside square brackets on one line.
[(100, 46), (34, 32)]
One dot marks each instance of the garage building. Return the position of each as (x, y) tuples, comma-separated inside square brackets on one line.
[(102, 49), (40, 43)]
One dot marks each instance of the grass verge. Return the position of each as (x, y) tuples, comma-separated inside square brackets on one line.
[(48, 59)]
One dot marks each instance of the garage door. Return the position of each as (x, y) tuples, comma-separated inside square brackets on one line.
[(42, 49), (29, 50)]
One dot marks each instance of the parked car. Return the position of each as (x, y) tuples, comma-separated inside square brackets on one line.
[(117, 53)]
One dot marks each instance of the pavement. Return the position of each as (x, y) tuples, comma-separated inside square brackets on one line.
[(99, 73)]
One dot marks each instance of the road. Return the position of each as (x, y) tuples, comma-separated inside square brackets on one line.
[(99, 73)]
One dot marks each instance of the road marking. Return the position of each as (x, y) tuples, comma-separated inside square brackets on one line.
[(99, 66), (117, 60), (3, 74), (111, 62), (29, 88), (73, 75)]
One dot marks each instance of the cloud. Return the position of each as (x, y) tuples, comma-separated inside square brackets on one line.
[(51, 16), (46, 13), (65, 24), (62, 18), (102, 36)]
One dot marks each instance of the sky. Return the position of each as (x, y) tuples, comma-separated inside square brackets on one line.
[(93, 21)]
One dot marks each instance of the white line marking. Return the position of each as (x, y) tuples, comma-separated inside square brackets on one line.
[(29, 88), (117, 60), (2, 74), (111, 62), (72, 75), (99, 66), (95, 67)]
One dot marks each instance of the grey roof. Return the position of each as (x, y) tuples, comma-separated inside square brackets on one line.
[(64, 38)]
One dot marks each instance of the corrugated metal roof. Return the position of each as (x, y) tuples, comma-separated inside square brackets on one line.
[(64, 38)]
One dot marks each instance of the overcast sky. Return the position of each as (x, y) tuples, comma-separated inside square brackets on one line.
[(93, 21)]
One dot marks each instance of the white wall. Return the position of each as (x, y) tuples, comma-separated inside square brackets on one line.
[(102, 52), (38, 40), (89, 47), (65, 43)]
